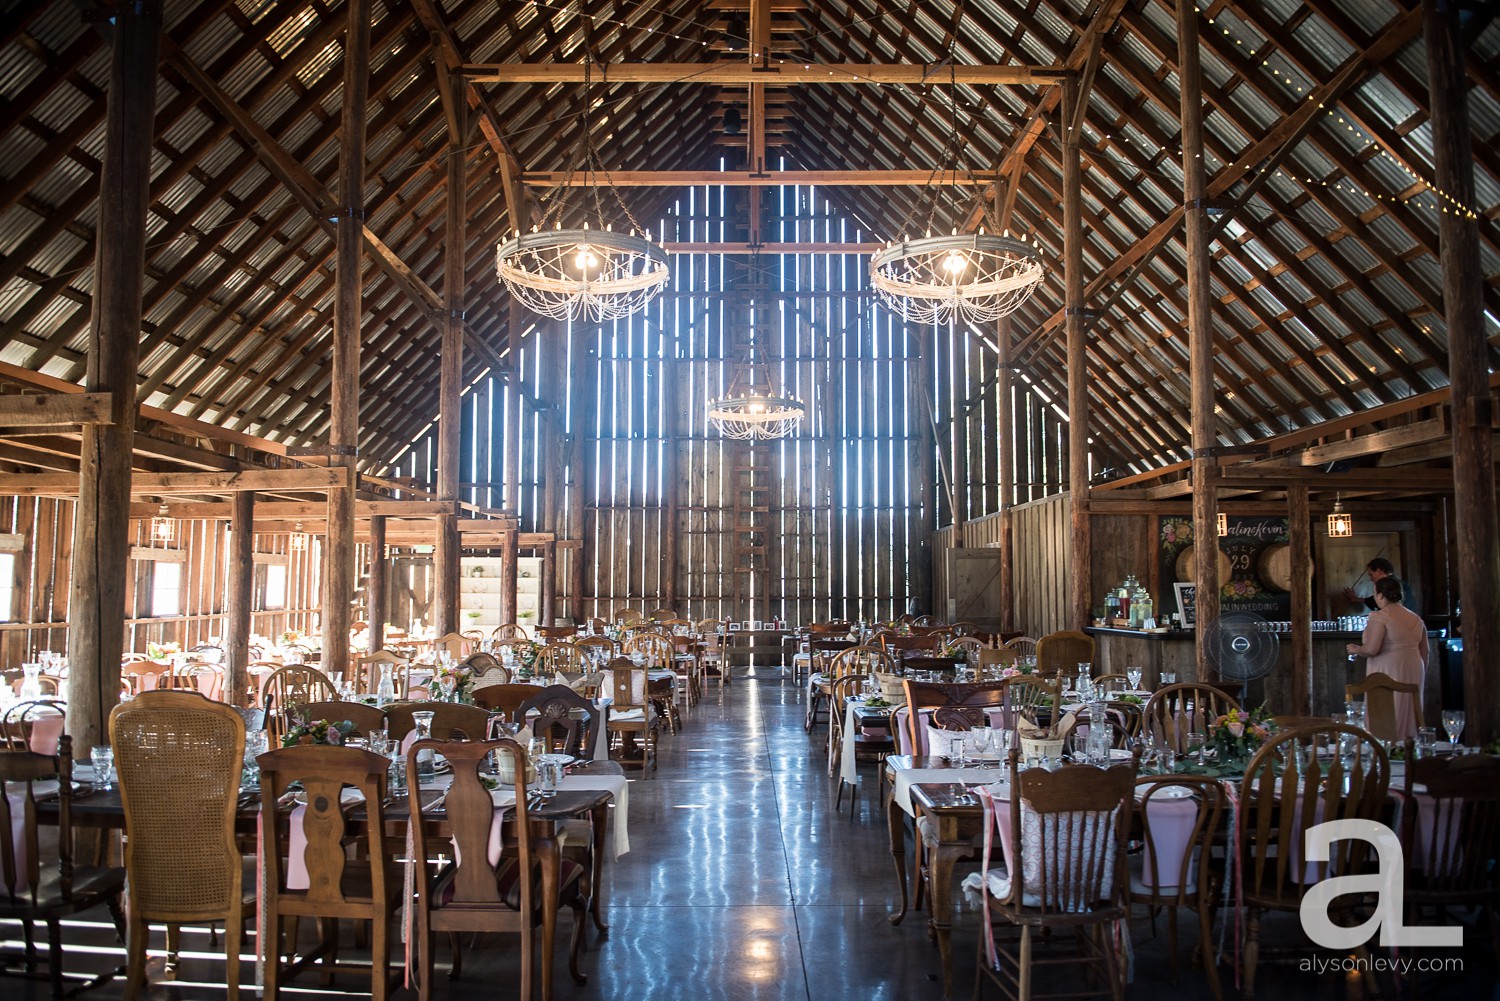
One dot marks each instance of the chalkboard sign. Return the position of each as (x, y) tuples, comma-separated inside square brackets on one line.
[(1187, 603)]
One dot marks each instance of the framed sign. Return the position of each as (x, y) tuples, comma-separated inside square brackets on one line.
[(1187, 602)]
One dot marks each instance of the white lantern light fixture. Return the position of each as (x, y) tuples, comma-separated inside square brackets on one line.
[(1340, 522), (299, 539), (1223, 521), (163, 527)]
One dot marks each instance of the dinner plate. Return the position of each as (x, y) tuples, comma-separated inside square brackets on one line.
[(1170, 792), (558, 759)]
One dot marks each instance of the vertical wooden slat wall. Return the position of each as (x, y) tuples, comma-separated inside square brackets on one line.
[(845, 501)]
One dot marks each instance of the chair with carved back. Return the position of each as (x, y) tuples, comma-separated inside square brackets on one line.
[(632, 715), (450, 720), (290, 687), (320, 865), (1380, 691), (1070, 828), (1177, 710), (39, 881), (925, 698), (1297, 781), (1178, 817), (1061, 652), (474, 889), (509, 631), (178, 758), (480, 662), (566, 720)]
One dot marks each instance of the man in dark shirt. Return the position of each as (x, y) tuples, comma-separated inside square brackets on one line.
[(1379, 568)]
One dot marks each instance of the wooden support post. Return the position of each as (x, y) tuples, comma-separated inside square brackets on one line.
[(239, 599), (343, 428), (549, 583), (1299, 515), (445, 555), (1005, 429), (925, 523), (670, 478), (1079, 571), (101, 524), (509, 574), (1200, 330), (1468, 372), (375, 584), (582, 381)]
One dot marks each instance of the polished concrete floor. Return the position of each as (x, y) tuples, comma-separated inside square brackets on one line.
[(742, 884)]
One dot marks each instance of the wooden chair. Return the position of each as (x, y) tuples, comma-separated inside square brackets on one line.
[(1338, 772), (632, 714), (1450, 827), (712, 667), (286, 689), (926, 622), (628, 615), (1061, 652), (1112, 683), (561, 657), (658, 651), (934, 695), (328, 881), (1175, 711), (503, 698), (472, 639), (42, 883), (137, 676), (596, 625), (597, 649), (365, 718), (475, 892), (661, 614), (554, 633), (34, 725), (457, 645), (1068, 874), (179, 758), (961, 629), (557, 721), (1179, 819), (1379, 691), (876, 747), (481, 663), (1024, 646), (450, 720), (509, 631), (1032, 692)]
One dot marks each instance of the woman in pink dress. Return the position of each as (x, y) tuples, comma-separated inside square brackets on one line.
[(1395, 641)]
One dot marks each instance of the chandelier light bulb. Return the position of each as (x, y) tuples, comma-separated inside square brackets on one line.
[(586, 258), (955, 263)]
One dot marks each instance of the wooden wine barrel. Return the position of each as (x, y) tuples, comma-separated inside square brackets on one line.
[(1274, 567), (1187, 568)]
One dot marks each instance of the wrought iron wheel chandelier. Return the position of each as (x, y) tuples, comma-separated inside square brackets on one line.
[(586, 272), (940, 278), (752, 410)]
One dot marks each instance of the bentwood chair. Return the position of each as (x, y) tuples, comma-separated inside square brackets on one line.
[(38, 880), (178, 758), (475, 890), (310, 870), (34, 725), (1380, 691), (1298, 780), (1061, 652), (1068, 875), (1179, 819), (1175, 711)]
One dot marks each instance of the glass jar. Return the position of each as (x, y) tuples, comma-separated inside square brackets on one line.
[(426, 760)]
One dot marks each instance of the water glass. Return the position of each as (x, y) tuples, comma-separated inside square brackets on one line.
[(1196, 742), (103, 758), (1426, 740), (549, 772), (1169, 677), (1453, 724), (398, 773)]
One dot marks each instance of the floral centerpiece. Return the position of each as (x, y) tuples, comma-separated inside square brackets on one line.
[(317, 732), (452, 683), (526, 654), (161, 651), (957, 651), (290, 636), (1237, 735)]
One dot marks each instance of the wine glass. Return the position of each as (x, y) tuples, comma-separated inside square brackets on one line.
[(1453, 723), (1134, 676)]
